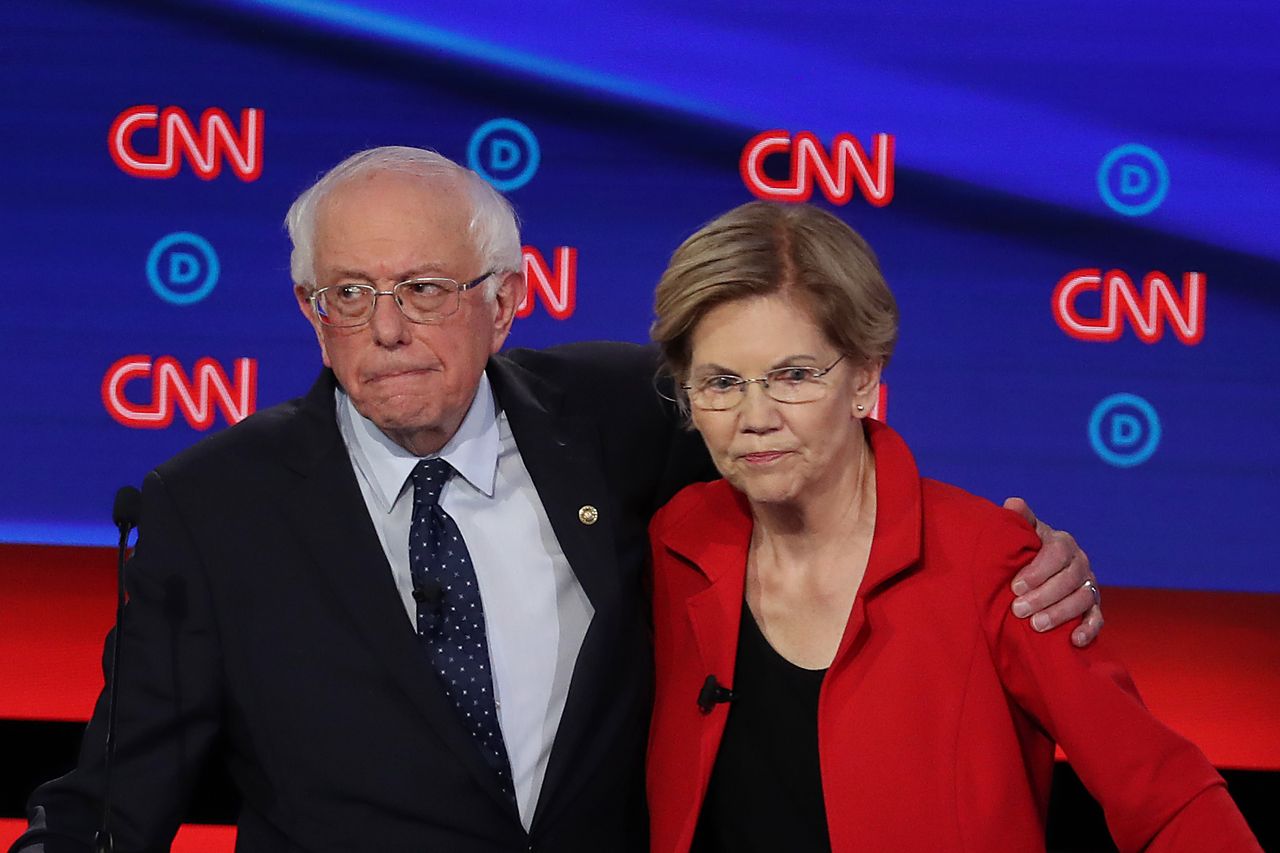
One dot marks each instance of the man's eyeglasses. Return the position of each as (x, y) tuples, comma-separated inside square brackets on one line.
[(784, 384), (422, 300)]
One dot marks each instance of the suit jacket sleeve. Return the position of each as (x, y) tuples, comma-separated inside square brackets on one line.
[(1158, 790), (168, 706)]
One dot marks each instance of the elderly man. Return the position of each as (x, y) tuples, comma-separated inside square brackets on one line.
[(407, 608)]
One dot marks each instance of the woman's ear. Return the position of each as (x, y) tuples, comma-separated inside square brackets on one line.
[(866, 389)]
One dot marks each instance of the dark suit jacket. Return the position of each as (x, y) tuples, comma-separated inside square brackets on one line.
[(264, 625)]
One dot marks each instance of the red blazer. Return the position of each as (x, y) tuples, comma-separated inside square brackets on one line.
[(937, 719)]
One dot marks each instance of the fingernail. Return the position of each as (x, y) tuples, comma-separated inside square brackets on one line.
[(1020, 588), (1021, 608), (1040, 622), (1078, 638)]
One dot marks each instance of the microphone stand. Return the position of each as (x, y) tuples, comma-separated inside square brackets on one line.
[(125, 515)]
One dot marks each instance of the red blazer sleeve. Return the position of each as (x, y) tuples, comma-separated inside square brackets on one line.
[(1158, 790)]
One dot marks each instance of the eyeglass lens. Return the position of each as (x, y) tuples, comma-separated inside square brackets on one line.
[(422, 300)]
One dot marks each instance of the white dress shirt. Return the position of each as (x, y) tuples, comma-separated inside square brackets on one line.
[(536, 613)]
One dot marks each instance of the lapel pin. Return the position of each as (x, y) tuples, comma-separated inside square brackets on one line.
[(588, 514)]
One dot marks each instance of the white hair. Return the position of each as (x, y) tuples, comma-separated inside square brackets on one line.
[(492, 225)]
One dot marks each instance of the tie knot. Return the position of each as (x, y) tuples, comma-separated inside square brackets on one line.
[(429, 477)]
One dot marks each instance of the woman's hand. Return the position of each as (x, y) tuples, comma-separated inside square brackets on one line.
[(1057, 586)]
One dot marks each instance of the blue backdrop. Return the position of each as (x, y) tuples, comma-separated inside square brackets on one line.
[(1029, 142)]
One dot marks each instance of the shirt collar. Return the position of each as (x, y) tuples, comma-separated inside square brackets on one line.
[(472, 450)]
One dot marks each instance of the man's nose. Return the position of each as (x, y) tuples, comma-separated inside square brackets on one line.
[(388, 324)]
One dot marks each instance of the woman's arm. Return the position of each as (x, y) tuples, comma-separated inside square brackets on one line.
[(1158, 790)]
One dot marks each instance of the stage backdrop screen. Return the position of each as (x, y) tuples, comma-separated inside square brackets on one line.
[(1076, 204)]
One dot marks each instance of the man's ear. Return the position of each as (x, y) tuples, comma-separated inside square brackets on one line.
[(506, 301), (866, 389), (303, 294)]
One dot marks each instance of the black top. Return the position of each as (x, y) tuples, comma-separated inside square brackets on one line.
[(765, 793)]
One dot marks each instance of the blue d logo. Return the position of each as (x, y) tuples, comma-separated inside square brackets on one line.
[(505, 153), (1124, 430), (182, 268), (1133, 180)]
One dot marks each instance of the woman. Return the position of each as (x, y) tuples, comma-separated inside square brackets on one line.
[(837, 666)]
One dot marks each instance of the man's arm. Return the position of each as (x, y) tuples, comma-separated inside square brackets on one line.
[(1058, 585)]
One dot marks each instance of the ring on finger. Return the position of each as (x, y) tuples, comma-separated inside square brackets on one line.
[(1093, 588)]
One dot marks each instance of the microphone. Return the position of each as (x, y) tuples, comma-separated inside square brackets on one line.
[(126, 513), (712, 694), (429, 593), (428, 597)]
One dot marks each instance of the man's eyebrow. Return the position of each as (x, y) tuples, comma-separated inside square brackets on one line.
[(430, 268), (419, 271), (340, 274)]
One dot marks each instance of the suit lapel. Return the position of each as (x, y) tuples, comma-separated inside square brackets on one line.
[(328, 511), (564, 458)]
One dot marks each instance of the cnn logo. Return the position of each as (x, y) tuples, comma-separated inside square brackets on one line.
[(169, 136), (837, 174), (555, 285), (1149, 310), (170, 389)]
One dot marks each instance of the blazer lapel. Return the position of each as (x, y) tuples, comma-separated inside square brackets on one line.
[(564, 457), (717, 545), (895, 547), (328, 511), (714, 538)]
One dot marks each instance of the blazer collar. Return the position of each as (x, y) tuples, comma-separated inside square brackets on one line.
[(899, 512), (714, 534)]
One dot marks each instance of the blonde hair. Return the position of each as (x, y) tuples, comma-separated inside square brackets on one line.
[(761, 249)]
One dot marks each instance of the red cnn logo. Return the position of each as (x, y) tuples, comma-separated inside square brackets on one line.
[(171, 388), (204, 149), (1147, 311), (837, 173), (557, 287)]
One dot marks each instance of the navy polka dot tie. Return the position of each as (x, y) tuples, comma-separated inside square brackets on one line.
[(451, 625)]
